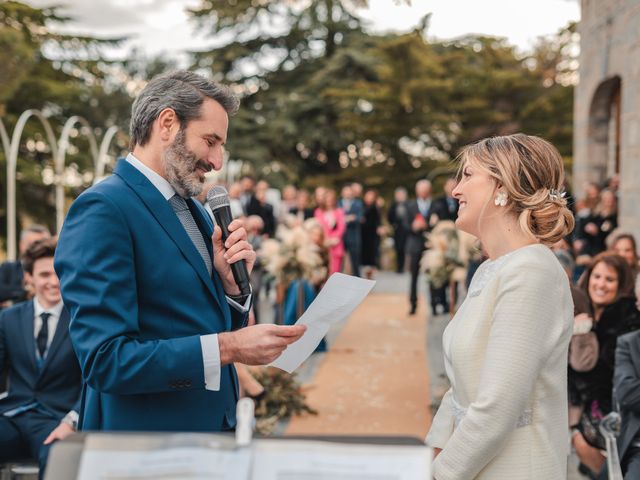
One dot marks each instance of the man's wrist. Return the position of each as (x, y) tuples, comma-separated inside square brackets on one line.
[(71, 419), (226, 345)]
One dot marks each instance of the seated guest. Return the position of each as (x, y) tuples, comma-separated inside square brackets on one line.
[(43, 371), (626, 384), (11, 275), (609, 285)]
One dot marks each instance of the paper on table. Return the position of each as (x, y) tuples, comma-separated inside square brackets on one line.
[(170, 457), (339, 297), (293, 460)]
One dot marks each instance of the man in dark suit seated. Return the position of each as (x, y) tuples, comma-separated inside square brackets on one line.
[(43, 371), (11, 275)]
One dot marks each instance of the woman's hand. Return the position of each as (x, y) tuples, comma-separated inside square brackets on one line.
[(588, 455)]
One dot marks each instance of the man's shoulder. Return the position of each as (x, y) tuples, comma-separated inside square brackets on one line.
[(17, 311), (630, 339)]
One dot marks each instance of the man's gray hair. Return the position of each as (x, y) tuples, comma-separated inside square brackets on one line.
[(182, 91)]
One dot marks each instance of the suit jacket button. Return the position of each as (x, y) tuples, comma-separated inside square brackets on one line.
[(187, 383)]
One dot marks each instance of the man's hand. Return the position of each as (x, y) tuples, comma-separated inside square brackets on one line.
[(234, 249), (258, 344), (61, 432)]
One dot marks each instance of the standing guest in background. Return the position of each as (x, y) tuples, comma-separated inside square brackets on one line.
[(353, 217), (235, 200), (419, 211), (505, 415), (43, 401), (371, 229), (446, 207), (358, 190), (331, 217), (318, 195), (398, 217), (264, 209), (254, 226), (11, 274), (289, 198), (247, 197), (597, 227), (302, 211), (157, 319)]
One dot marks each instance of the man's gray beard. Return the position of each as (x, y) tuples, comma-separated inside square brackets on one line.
[(180, 164)]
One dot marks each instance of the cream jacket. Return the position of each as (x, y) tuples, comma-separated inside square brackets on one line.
[(505, 415)]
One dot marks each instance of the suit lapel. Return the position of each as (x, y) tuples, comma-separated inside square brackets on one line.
[(58, 338), (164, 214), (28, 334)]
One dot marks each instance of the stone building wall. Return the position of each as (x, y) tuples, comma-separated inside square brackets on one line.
[(609, 65)]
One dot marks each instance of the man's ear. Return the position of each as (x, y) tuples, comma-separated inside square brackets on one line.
[(28, 278), (167, 124)]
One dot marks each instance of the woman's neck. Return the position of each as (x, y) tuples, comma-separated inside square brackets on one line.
[(597, 312), (504, 237)]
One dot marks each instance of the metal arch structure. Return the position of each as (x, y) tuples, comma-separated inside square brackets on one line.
[(102, 158), (4, 138), (12, 161), (59, 149), (60, 157)]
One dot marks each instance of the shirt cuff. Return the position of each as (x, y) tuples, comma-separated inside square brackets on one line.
[(240, 308), (211, 360)]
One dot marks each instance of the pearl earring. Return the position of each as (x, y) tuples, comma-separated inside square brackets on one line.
[(501, 199)]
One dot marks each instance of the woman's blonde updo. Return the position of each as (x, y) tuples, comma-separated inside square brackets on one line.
[(531, 172)]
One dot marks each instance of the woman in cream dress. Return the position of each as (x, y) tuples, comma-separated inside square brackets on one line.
[(505, 415)]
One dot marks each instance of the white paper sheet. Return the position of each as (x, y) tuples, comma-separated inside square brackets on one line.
[(309, 460), (155, 458), (335, 302)]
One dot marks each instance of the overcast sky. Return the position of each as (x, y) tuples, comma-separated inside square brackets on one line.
[(162, 25)]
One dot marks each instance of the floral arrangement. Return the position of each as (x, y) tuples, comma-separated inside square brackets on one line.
[(447, 255), (284, 399), (292, 255)]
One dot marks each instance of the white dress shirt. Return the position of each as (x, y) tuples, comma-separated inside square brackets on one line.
[(208, 343), (54, 315)]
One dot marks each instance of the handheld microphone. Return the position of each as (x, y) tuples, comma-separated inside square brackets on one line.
[(218, 200)]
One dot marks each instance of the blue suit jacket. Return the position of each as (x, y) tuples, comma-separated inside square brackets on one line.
[(140, 298), (353, 231), (56, 384)]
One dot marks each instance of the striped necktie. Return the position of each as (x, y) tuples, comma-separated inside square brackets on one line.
[(181, 208)]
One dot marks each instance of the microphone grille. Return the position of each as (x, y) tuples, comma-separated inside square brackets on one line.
[(217, 197)]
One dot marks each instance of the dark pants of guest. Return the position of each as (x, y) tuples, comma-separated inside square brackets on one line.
[(22, 437), (439, 297), (414, 268), (399, 244), (631, 464), (353, 246)]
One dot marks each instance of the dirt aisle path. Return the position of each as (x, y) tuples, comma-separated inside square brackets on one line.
[(374, 380)]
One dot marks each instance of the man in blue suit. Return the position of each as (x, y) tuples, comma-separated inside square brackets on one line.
[(148, 281), (44, 376)]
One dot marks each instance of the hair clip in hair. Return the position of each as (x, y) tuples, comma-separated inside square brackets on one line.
[(557, 194)]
